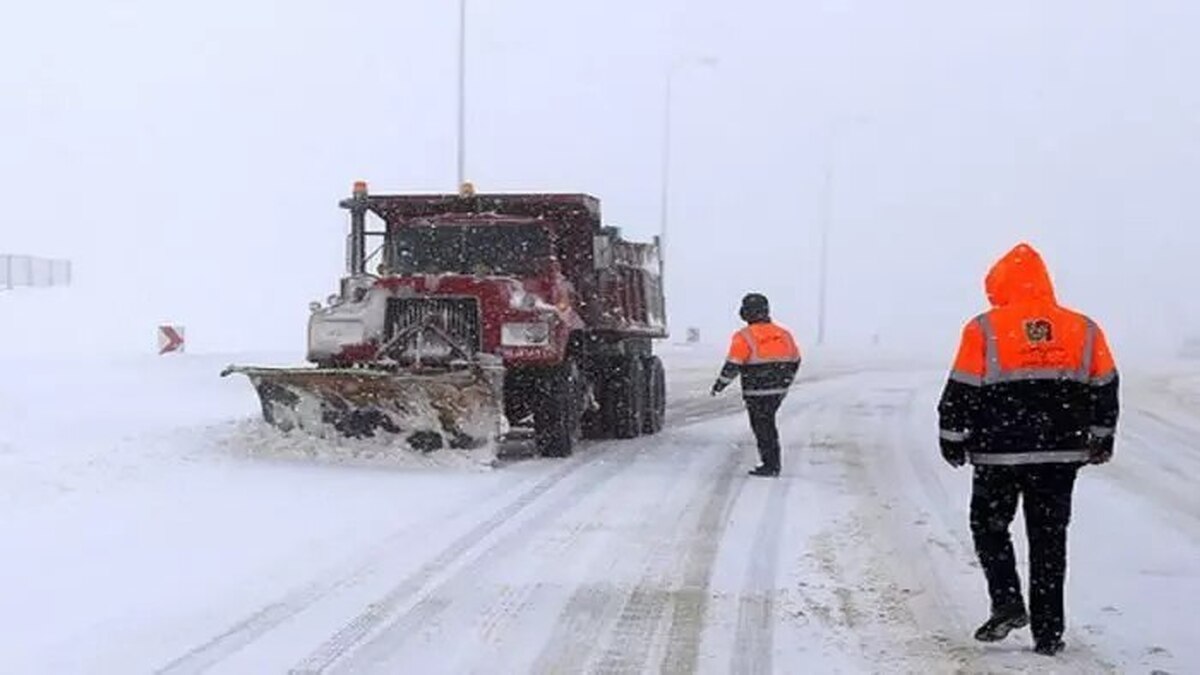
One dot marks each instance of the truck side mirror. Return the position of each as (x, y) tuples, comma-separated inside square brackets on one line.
[(602, 252)]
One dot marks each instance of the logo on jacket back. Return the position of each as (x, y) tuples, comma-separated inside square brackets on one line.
[(1039, 331)]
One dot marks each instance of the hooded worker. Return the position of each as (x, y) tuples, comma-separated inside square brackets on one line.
[(1031, 398), (766, 357)]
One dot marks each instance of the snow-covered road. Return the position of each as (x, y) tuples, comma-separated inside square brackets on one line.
[(154, 528)]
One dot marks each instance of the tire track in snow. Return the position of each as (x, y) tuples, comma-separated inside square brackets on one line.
[(689, 603), (594, 609), (573, 640), (754, 639), (571, 636), (248, 630), (262, 621), (641, 618), (512, 602), (352, 634), (1174, 458), (847, 583), (1154, 472), (1170, 507)]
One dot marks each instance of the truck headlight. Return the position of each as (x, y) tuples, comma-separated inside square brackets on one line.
[(532, 334)]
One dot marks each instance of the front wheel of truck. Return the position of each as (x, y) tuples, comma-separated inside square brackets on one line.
[(558, 411)]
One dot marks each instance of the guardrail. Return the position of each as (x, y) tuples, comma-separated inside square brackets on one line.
[(18, 271)]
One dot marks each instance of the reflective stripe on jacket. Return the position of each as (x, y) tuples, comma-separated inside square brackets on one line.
[(766, 357)]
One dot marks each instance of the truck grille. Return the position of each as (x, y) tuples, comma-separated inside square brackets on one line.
[(458, 317)]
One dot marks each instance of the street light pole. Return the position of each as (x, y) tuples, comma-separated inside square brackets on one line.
[(826, 218), (665, 170), (462, 92)]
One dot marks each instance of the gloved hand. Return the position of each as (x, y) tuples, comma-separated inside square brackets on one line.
[(1100, 450), (717, 387), (955, 454)]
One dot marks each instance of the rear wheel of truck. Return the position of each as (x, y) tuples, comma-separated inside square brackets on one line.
[(656, 396), (629, 397), (558, 411)]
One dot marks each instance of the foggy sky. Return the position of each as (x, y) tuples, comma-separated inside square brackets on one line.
[(189, 159)]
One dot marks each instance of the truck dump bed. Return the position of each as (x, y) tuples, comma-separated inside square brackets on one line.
[(618, 283)]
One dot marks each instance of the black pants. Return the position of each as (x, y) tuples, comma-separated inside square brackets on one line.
[(762, 411), (1046, 489)]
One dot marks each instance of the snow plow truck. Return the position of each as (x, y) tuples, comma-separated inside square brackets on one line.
[(474, 314)]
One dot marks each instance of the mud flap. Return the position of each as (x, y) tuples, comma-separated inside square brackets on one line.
[(460, 408)]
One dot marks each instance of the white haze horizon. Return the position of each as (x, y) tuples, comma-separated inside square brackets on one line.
[(189, 160)]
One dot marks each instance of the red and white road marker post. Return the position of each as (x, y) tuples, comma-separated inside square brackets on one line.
[(170, 339)]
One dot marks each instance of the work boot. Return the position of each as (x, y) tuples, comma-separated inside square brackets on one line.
[(1002, 622), (764, 471), (1049, 647)]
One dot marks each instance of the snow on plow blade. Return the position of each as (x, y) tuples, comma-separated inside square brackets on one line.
[(460, 408)]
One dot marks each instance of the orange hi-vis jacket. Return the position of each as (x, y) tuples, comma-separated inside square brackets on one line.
[(1033, 382), (767, 358)]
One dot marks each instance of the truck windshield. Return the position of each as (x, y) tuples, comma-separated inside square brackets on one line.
[(480, 250)]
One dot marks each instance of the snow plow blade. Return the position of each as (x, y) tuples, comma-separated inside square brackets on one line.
[(460, 408)]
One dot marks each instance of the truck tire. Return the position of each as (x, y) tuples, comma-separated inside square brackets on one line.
[(656, 396), (557, 413), (629, 397)]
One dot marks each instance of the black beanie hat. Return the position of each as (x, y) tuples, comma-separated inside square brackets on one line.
[(755, 307)]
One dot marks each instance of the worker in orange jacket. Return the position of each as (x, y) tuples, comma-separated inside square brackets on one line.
[(1032, 397), (766, 357)]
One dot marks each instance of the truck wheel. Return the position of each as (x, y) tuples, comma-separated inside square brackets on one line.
[(662, 395), (629, 398), (557, 415), (656, 396)]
